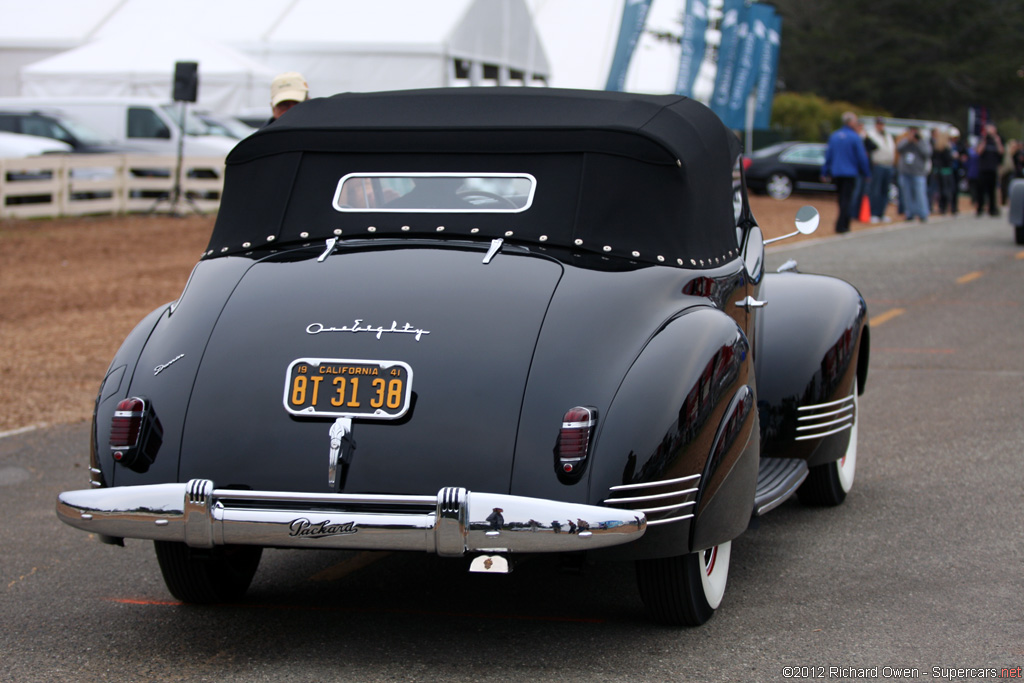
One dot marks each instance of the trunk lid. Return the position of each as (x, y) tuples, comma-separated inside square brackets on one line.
[(439, 310)]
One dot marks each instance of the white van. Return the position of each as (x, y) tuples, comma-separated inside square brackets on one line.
[(149, 125)]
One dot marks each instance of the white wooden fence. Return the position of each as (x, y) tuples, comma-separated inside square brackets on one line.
[(79, 184)]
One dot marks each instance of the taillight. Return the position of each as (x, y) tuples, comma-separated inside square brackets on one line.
[(135, 434), (574, 441), (747, 161), (126, 425)]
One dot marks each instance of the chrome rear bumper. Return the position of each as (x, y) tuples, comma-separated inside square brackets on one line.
[(452, 523)]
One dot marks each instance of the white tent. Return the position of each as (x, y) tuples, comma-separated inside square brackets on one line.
[(339, 45), (144, 66), (406, 44)]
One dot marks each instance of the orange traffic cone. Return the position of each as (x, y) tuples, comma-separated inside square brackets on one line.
[(865, 210)]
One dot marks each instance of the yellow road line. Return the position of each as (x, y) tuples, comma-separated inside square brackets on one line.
[(886, 317), (970, 277), (1020, 256)]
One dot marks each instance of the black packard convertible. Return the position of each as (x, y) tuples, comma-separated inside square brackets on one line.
[(481, 323)]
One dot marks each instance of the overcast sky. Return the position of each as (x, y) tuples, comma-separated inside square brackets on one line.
[(579, 37)]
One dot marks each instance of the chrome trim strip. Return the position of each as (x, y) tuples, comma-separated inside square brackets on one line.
[(807, 437), (819, 425), (848, 399), (779, 500), (652, 484), (453, 522), (656, 522), (648, 511), (818, 416), (652, 497)]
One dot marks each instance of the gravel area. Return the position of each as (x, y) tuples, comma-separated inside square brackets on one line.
[(72, 289)]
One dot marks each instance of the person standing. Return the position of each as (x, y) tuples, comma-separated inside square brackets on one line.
[(959, 151), (990, 157), (912, 166), (286, 91), (846, 161), (942, 171), (882, 156), (971, 173)]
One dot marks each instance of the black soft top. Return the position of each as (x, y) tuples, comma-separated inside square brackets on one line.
[(644, 177)]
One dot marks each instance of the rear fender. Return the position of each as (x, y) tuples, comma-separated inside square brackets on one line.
[(813, 340), (114, 388), (159, 360), (682, 423)]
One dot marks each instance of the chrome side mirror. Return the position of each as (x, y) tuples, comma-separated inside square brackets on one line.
[(807, 219)]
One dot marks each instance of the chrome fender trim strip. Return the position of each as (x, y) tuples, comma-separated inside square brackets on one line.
[(452, 523)]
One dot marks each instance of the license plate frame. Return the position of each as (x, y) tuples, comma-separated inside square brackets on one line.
[(348, 387)]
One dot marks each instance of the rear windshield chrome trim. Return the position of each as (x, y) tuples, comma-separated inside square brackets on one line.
[(336, 202)]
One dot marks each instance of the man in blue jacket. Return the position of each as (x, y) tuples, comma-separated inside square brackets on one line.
[(845, 161)]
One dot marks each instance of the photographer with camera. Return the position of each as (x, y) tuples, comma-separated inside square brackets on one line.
[(990, 156)]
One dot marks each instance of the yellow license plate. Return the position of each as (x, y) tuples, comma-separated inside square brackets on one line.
[(344, 387)]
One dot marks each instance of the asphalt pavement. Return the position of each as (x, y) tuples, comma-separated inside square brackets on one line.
[(919, 574)]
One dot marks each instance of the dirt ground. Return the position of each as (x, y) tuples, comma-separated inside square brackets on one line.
[(72, 289)]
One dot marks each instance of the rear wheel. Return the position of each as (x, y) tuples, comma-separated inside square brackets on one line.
[(1019, 233), (828, 484), (220, 574), (684, 590), (779, 186)]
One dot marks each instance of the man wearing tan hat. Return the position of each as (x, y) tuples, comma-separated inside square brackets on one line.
[(287, 90)]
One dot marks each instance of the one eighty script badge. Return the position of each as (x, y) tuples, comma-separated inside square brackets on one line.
[(378, 330)]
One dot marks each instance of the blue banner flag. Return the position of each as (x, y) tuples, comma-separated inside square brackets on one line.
[(768, 69), (752, 36), (634, 13), (734, 15), (695, 25)]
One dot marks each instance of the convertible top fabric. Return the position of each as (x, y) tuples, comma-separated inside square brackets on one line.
[(643, 177)]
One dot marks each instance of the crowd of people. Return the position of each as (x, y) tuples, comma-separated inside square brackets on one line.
[(929, 167)]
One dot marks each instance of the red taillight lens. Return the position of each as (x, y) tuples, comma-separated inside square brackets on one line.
[(574, 440), (135, 434), (747, 161), (126, 424)]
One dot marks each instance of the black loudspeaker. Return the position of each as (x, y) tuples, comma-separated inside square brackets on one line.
[(186, 81)]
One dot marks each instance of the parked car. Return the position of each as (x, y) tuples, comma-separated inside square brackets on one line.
[(58, 126), (18, 146), (79, 137), (146, 124), (486, 323), (787, 167), (226, 126)]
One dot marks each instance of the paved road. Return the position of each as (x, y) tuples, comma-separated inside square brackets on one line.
[(922, 567)]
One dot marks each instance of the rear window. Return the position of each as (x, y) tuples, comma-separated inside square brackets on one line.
[(435, 192)]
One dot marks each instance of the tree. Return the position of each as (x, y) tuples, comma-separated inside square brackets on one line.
[(914, 59)]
